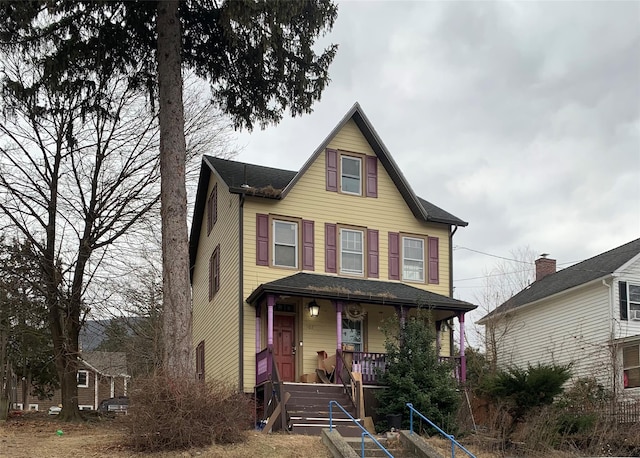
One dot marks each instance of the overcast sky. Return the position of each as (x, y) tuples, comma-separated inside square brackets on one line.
[(521, 118)]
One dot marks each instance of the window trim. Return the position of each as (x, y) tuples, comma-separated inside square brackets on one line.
[(361, 160), (212, 209), (636, 304), (272, 240), (626, 368), (33, 407), (214, 272), (86, 384), (295, 223), (363, 232), (363, 333), (422, 239), (85, 407)]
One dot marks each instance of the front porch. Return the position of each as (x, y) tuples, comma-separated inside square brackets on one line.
[(300, 316)]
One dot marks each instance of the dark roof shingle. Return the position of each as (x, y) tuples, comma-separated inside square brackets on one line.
[(584, 272)]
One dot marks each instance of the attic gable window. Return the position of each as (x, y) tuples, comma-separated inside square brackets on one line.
[(351, 175), (83, 379)]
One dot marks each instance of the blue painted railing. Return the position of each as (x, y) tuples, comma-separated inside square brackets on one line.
[(364, 431), (454, 442)]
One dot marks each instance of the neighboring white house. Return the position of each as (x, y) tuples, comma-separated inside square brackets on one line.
[(587, 315)]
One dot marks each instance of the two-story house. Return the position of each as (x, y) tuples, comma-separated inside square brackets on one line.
[(587, 315), (287, 264)]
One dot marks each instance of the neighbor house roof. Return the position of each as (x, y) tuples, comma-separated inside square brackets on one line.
[(111, 363), (584, 272), (268, 182), (356, 289)]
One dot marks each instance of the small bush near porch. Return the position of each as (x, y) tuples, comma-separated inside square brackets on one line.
[(414, 374)]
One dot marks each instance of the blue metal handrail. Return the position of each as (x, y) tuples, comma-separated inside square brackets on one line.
[(433, 425), (364, 431)]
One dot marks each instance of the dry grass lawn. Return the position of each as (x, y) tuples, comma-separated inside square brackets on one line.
[(35, 435)]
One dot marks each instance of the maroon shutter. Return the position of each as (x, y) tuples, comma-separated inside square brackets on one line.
[(307, 245), (372, 253), (394, 256), (330, 248), (332, 170), (262, 239), (372, 176), (434, 263)]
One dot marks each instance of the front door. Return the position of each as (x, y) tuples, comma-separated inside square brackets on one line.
[(284, 346)]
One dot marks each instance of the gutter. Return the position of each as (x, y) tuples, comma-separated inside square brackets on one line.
[(451, 234)]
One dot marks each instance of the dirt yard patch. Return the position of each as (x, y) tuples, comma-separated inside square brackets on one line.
[(36, 435)]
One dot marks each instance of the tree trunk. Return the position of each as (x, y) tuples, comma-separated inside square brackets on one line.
[(173, 195)]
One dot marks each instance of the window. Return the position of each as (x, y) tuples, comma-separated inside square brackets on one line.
[(200, 360), (214, 272), (412, 259), (634, 302), (212, 209), (85, 407), (285, 244), (17, 405), (351, 175), (33, 406), (351, 252), (83, 379), (351, 335), (631, 364)]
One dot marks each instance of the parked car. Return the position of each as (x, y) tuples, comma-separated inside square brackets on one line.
[(119, 404)]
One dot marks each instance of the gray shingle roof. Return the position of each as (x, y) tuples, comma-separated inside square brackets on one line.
[(584, 272), (357, 289), (112, 363), (235, 174)]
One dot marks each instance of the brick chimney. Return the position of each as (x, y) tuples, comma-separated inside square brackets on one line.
[(545, 266)]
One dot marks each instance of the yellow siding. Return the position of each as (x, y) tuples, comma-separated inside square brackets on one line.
[(216, 321), (309, 200)]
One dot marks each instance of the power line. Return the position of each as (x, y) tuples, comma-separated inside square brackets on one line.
[(458, 247)]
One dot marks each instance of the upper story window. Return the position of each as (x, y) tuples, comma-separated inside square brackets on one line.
[(214, 272), (413, 259), (351, 251), (631, 363), (83, 379), (285, 244), (629, 301), (212, 209), (351, 175)]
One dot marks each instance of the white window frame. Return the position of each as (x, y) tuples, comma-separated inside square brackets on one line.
[(295, 245), (17, 406), (85, 407), (86, 384), (405, 258), (346, 175), (359, 324), (33, 407), (626, 367), (343, 251), (630, 303)]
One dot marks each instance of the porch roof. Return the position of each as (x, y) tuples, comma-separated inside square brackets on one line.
[(356, 289)]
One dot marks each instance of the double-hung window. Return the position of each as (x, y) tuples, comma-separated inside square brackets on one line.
[(285, 244), (351, 175), (634, 302), (352, 334), (413, 259), (83, 379), (351, 252), (631, 363)]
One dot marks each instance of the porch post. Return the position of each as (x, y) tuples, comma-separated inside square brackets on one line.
[(271, 301), (258, 328), (463, 360), (338, 305)]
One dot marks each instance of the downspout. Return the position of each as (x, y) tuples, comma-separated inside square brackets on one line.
[(95, 390), (613, 349), (240, 295), (451, 233)]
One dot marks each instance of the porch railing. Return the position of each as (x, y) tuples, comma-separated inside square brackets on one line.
[(370, 365), (351, 386)]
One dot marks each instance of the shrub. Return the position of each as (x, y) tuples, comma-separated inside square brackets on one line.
[(170, 414), (415, 375)]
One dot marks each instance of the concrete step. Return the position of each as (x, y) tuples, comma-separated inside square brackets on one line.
[(312, 429), (371, 449)]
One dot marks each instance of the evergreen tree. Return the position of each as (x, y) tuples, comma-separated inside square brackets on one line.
[(414, 373)]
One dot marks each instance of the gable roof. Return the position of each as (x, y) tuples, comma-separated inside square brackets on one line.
[(356, 289), (584, 272), (112, 363), (273, 183)]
